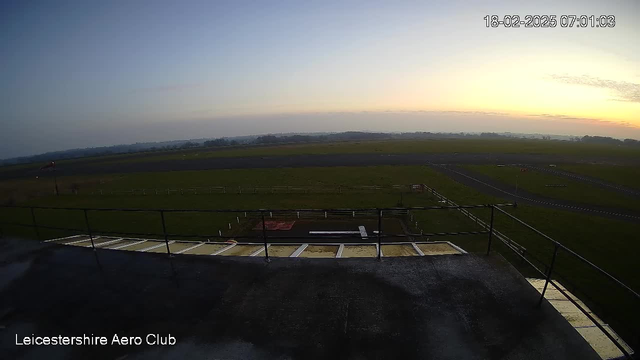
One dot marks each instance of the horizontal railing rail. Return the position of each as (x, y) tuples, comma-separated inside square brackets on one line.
[(266, 237), (256, 189), (550, 272), (259, 210)]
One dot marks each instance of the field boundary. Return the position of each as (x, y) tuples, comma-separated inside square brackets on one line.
[(276, 189)]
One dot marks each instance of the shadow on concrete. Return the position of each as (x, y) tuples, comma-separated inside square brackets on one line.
[(435, 307)]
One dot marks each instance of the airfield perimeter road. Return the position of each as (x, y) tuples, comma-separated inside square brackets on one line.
[(97, 166), (488, 185)]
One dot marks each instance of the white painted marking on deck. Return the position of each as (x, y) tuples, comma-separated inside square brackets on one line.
[(127, 245), (340, 250), (155, 246), (79, 241), (363, 232), (456, 247), (107, 242), (299, 250), (189, 248), (223, 249), (333, 232), (257, 252), (65, 238), (417, 249)]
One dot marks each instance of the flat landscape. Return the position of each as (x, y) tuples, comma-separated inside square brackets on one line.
[(585, 200), (369, 153)]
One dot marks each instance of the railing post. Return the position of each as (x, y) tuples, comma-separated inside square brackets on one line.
[(546, 283), (490, 232), (264, 237), (164, 231), (379, 234), (35, 224), (86, 220)]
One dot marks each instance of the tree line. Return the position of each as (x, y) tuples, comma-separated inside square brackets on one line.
[(286, 139)]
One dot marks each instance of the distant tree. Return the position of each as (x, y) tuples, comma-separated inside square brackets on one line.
[(601, 140), (266, 139), (189, 144), (218, 142)]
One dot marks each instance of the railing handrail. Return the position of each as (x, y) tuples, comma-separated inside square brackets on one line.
[(568, 250), (379, 236), (260, 210)]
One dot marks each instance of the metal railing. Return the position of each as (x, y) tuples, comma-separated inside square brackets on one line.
[(548, 274), (378, 213), (262, 214), (255, 189)]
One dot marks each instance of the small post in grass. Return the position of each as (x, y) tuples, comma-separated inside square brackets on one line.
[(86, 220)]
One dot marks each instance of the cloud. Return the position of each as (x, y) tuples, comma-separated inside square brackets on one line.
[(626, 91), (584, 120), (417, 112)]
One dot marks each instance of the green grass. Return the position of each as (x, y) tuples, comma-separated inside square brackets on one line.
[(535, 181), (623, 175), (512, 146), (560, 224), (608, 243), (372, 175), (516, 146)]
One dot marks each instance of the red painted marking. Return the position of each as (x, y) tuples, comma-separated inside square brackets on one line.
[(275, 225)]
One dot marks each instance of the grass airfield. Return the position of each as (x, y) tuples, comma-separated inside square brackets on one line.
[(611, 244)]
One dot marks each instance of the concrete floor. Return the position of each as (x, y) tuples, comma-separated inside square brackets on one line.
[(428, 307)]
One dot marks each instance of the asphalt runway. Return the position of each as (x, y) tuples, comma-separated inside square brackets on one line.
[(94, 166), (490, 186)]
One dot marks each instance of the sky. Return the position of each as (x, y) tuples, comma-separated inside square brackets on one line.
[(94, 73)]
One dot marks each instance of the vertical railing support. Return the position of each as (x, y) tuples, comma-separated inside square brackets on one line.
[(86, 221), (546, 283), (490, 232), (264, 237), (379, 234), (164, 231), (35, 224)]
